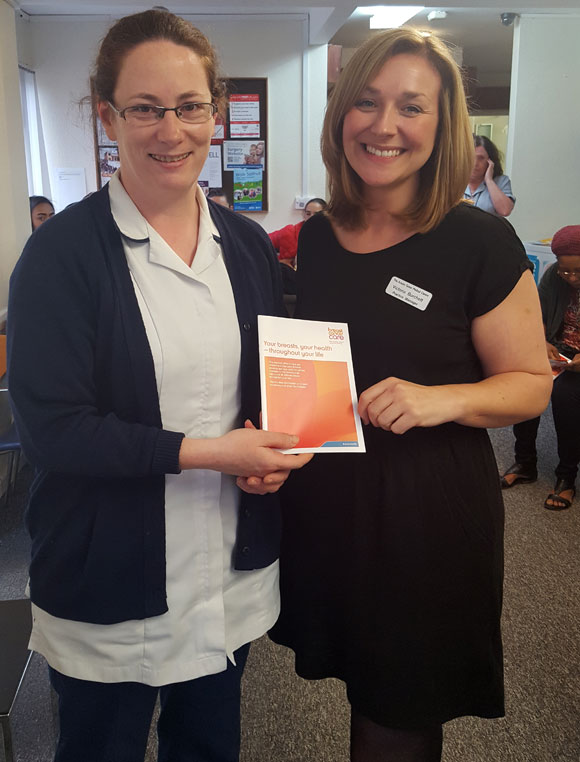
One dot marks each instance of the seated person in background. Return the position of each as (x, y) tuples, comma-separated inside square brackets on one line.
[(285, 240), (218, 195), (41, 209), (560, 299), (488, 188)]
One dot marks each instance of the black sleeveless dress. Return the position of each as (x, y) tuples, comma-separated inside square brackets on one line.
[(392, 561)]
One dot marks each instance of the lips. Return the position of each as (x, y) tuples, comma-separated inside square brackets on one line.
[(168, 159), (385, 153)]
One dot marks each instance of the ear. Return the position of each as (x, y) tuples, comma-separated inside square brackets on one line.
[(106, 116)]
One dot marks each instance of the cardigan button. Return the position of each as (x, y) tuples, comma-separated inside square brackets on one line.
[(245, 550), (247, 513), (246, 327)]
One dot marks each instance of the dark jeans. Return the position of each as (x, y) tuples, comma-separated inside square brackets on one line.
[(109, 722), (566, 413)]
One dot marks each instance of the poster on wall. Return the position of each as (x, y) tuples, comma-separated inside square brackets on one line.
[(102, 138), (108, 162), (247, 190), (211, 172), (69, 186), (245, 115), (219, 129), (243, 153)]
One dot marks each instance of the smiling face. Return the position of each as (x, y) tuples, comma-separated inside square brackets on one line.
[(479, 165), (166, 156), (40, 214), (389, 133)]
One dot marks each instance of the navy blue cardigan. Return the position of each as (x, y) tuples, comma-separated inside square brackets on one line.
[(82, 384)]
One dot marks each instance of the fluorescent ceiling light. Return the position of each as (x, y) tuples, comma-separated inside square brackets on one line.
[(436, 15), (390, 16)]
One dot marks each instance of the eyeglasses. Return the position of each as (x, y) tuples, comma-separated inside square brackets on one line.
[(144, 113), (569, 273)]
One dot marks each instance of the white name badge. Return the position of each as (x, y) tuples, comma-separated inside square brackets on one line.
[(408, 293)]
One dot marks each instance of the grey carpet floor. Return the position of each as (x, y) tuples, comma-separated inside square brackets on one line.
[(286, 719)]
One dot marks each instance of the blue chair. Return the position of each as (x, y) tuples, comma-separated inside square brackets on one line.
[(10, 445), (9, 440), (15, 628), (536, 262)]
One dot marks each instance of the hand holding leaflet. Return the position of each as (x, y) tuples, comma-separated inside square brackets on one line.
[(558, 365), (307, 383)]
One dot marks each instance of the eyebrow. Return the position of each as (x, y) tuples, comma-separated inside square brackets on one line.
[(154, 99), (406, 95)]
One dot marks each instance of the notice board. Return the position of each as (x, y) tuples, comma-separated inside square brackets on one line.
[(237, 164)]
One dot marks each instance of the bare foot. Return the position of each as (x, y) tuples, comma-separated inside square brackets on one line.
[(510, 479), (518, 473), (567, 496)]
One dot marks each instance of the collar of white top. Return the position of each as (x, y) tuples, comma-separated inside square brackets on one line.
[(134, 226), (481, 187)]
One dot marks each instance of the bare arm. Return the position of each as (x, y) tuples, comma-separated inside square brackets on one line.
[(511, 346), (502, 204), (241, 452), (509, 341)]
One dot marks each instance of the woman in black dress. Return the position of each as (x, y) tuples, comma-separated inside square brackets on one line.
[(392, 560)]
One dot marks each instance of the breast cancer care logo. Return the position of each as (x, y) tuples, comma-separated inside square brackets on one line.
[(335, 335)]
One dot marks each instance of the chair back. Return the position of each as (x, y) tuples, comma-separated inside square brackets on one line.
[(3, 363)]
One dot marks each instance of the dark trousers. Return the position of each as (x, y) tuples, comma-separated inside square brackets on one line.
[(566, 413), (109, 722)]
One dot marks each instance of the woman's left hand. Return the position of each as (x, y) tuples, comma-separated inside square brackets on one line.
[(396, 405), (256, 485)]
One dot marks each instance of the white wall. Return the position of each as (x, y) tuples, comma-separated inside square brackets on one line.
[(544, 135), (15, 225), (63, 51), (499, 124)]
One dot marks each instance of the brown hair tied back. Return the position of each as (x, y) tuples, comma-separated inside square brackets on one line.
[(148, 26)]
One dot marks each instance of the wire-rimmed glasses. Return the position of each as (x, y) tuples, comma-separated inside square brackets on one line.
[(145, 113)]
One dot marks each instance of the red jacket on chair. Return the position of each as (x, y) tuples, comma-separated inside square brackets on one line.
[(285, 240)]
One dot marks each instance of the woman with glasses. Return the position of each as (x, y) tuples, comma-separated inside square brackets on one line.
[(397, 582), (133, 362), (560, 299)]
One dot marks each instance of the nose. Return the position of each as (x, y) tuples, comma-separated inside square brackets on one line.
[(170, 128), (386, 121)]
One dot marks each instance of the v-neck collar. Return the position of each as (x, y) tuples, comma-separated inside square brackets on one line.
[(133, 226)]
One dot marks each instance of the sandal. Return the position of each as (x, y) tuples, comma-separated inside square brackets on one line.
[(562, 485), (524, 475)]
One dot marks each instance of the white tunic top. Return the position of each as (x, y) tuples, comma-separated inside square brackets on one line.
[(190, 318)]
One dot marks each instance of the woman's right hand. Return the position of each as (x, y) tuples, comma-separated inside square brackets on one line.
[(242, 452)]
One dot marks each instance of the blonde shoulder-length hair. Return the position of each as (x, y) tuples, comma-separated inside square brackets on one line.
[(444, 176)]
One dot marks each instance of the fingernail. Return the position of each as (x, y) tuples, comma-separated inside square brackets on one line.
[(295, 441)]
